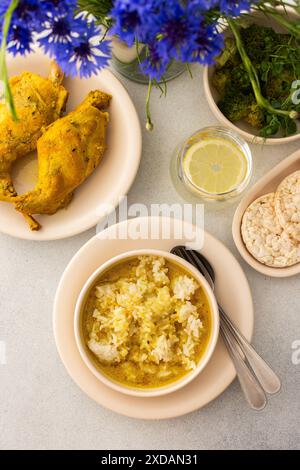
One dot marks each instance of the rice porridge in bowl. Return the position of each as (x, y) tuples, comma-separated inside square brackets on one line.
[(146, 324)]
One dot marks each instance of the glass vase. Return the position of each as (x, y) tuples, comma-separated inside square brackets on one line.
[(126, 61)]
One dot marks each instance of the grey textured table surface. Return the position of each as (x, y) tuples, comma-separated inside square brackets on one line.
[(42, 408)]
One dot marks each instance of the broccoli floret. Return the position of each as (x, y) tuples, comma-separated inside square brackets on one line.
[(259, 42), (220, 80), (255, 116), (236, 77), (235, 104), (279, 87), (229, 53)]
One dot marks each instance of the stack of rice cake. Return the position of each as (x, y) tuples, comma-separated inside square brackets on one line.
[(271, 225)]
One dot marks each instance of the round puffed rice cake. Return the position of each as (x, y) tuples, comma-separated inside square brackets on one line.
[(287, 205), (264, 237)]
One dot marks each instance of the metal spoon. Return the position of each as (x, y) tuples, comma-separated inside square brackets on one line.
[(253, 392), (234, 339)]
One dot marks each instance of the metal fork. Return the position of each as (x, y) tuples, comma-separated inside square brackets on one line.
[(255, 376)]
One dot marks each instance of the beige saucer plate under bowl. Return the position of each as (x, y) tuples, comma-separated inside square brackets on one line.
[(267, 184), (232, 292), (109, 182)]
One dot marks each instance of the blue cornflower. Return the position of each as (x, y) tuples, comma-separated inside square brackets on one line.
[(156, 62), (85, 55), (74, 40), (60, 28), (32, 14), (206, 44), (75, 43), (175, 29), (27, 14), (136, 19), (20, 40), (24, 22), (184, 36)]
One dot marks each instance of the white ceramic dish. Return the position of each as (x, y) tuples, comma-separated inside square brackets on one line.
[(267, 184), (86, 354), (231, 291), (244, 129), (110, 181)]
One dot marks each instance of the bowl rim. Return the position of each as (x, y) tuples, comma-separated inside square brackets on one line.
[(169, 388), (251, 138)]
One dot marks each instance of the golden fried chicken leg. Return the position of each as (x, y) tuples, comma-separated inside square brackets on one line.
[(68, 152), (39, 101)]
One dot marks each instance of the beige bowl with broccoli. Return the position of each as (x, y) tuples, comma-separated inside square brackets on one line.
[(229, 92)]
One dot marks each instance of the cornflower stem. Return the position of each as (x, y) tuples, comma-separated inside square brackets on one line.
[(3, 66), (149, 124), (260, 99)]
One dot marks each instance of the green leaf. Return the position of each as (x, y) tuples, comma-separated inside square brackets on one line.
[(289, 127), (272, 127)]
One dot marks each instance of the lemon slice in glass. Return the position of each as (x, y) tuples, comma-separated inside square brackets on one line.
[(215, 165)]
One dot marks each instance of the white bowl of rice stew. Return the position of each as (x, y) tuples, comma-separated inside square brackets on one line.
[(146, 323)]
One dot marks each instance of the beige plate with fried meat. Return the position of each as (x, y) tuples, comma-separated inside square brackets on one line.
[(107, 184), (268, 184), (232, 292)]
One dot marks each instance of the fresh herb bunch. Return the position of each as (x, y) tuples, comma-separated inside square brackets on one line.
[(276, 61), (74, 33)]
